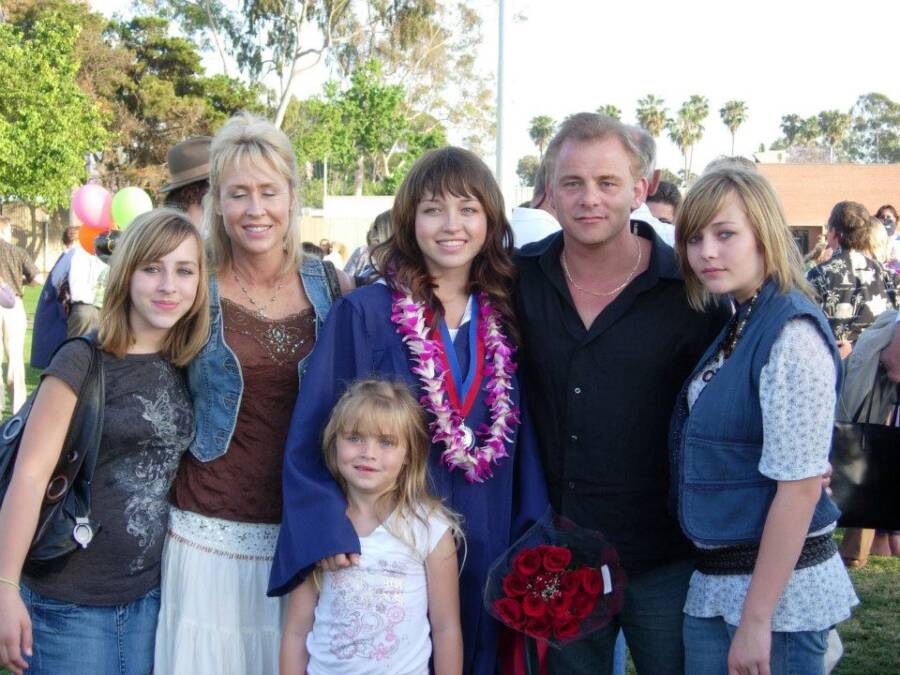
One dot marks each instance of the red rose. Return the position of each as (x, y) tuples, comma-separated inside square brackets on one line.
[(534, 606), (527, 562), (537, 627), (566, 629), (591, 581), (582, 606), (556, 558), (514, 585), (570, 583), (559, 605), (510, 612)]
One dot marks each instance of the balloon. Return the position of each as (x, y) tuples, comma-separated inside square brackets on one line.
[(87, 235), (91, 204), (129, 203)]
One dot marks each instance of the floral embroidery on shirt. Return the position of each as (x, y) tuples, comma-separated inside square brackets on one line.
[(368, 607)]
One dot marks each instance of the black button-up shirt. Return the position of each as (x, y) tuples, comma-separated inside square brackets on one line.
[(602, 397)]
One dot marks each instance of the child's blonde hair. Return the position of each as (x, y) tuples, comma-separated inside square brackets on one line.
[(388, 408)]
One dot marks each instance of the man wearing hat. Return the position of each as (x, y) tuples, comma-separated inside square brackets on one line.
[(188, 163)]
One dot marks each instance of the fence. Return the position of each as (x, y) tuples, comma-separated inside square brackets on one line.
[(37, 232)]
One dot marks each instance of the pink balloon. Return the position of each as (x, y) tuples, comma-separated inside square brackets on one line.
[(92, 204)]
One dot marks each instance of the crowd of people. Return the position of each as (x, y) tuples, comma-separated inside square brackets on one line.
[(309, 469)]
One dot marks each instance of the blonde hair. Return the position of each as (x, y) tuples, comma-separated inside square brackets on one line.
[(385, 407), (151, 236), (879, 243), (781, 258), (259, 141), (585, 127)]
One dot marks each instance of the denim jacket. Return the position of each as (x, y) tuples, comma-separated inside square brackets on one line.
[(722, 498), (214, 376)]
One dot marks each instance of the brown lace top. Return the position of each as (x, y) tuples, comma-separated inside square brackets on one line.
[(245, 483)]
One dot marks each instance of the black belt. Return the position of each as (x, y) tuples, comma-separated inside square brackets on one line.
[(741, 558)]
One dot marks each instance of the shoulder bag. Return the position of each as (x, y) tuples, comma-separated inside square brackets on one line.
[(64, 522), (865, 460)]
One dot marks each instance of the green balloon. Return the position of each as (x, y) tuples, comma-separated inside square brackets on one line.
[(127, 204)]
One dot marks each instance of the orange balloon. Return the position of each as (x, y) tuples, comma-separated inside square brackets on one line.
[(87, 235)]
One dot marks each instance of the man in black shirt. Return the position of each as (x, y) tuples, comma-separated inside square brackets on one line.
[(609, 339)]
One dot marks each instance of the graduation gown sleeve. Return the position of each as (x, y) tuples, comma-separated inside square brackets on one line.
[(314, 522)]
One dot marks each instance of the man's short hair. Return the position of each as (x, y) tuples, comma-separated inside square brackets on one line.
[(647, 146), (594, 127), (666, 193), (70, 235), (731, 162)]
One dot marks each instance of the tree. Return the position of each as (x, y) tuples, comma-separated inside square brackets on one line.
[(686, 128), (48, 125), (282, 38), (610, 111), (834, 126), (733, 114), (652, 114), (429, 48), (541, 130), (875, 132), (527, 168), (361, 131)]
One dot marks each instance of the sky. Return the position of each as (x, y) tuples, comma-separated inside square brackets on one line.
[(778, 56)]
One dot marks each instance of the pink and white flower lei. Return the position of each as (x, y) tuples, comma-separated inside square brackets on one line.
[(412, 323)]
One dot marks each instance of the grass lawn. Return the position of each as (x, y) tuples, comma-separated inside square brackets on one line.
[(871, 638)]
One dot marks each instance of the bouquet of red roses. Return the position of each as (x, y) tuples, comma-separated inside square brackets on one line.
[(557, 583)]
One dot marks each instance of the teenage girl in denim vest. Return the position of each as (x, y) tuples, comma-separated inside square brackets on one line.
[(94, 611), (750, 438), (267, 303)]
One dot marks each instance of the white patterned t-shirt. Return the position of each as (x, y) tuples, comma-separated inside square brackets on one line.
[(372, 618)]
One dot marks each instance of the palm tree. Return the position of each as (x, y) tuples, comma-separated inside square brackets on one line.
[(698, 110), (651, 114), (733, 114), (541, 130), (680, 134), (834, 126), (610, 111)]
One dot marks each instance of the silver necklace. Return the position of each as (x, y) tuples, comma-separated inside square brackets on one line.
[(260, 309), (602, 294)]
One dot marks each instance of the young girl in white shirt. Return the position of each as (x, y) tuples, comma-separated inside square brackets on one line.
[(401, 602)]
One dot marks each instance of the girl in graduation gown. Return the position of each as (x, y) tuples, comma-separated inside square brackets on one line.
[(441, 320)]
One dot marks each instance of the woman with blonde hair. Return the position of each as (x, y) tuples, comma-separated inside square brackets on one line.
[(267, 303), (95, 610), (747, 459)]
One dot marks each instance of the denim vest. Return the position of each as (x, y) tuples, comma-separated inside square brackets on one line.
[(214, 376), (722, 498)]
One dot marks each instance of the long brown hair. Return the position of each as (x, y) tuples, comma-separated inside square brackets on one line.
[(150, 237), (459, 173)]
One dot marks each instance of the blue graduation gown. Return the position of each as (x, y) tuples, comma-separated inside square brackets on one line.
[(359, 340)]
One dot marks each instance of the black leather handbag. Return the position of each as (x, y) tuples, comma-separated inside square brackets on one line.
[(865, 460), (64, 522)]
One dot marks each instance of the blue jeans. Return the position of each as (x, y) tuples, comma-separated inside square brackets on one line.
[(83, 640), (651, 619), (707, 641)]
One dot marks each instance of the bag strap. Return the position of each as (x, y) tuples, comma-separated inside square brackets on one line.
[(69, 464), (331, 279)]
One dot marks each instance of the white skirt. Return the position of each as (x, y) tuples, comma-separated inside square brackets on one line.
[(214, 615)]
